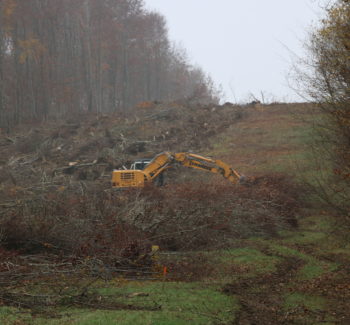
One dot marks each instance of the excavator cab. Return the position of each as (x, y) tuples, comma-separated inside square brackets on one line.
[(140, 164)]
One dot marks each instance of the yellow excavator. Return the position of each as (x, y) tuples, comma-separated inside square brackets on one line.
[(148, 171)]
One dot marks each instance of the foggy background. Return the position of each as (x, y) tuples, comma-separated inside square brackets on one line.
[(246, 46)]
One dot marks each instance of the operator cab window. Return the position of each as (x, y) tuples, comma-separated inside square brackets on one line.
[(140, 164)]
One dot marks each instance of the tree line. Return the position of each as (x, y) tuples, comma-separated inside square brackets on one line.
[(59, 58)]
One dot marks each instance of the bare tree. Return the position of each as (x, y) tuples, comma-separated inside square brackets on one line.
[(327, 82)]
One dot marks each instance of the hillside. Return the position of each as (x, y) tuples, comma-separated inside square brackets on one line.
[(75, 251), (92, 146)]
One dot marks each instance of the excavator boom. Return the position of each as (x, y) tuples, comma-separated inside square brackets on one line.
[(165, 160)]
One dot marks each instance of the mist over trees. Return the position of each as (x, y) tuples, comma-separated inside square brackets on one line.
[(59, 58)]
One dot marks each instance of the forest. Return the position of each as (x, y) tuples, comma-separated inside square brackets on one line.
[(59, 58)]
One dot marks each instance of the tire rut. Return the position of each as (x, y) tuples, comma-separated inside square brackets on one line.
[(260, 298)]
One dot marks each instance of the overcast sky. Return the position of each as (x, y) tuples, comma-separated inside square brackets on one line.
[(245, 45)]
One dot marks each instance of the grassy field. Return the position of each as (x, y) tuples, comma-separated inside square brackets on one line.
[(171, 303), (296, 277)]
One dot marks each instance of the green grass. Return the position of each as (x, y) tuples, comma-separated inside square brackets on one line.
[(251, 261), (310, 302), (281, 147), (312, 230), (303, 237), (180, 303), (301, 304), (313, 267)]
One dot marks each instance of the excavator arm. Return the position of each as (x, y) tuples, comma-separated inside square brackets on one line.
[(165, 160), (208, 164)]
